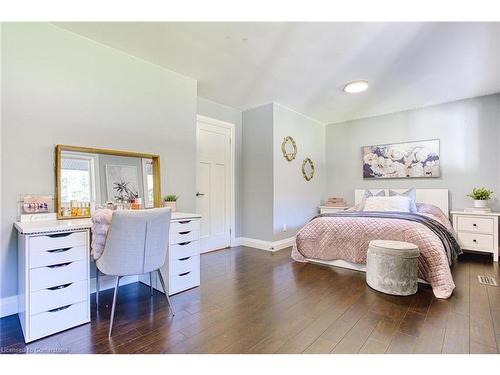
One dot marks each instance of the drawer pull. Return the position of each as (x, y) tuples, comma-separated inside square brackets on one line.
[(184, 243), (60, 286), (184, 222), (59, 309), (185, 232), (60, 265), (58, 235), (186, 258), (184, 274), (474, 225), (475, 241), (59, 250)]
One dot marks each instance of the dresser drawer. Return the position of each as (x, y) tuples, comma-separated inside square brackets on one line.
[(183, 237), (183, 281), (475, 224), (58, 241), (65, 273), (476, 241), (183, 265), (57, 256), (58, 296), (57, 320), (185, 249), (184, 226)]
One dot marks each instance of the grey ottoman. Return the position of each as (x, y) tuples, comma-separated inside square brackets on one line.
[(391, 267)]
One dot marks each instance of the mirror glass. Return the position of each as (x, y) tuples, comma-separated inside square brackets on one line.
[(97, 179)]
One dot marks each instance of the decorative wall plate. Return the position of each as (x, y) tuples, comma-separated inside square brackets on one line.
[(308, 169), (289, 148)]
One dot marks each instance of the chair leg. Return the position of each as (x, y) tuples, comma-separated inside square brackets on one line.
[(165, 290), (114, 305), (151, 283), (97, 289)]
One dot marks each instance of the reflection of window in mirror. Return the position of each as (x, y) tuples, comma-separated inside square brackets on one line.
[(78, 176), (147, 173)]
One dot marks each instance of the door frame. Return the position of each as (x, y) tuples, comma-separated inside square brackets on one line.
[(231, 127)]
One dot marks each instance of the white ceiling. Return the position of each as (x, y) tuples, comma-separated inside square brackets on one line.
[(305, 65)]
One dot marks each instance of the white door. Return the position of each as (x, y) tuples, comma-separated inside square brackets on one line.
[(213, 197)]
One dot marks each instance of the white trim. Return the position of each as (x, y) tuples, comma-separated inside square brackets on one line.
[(231, 127), (265, 245), (8, 306)]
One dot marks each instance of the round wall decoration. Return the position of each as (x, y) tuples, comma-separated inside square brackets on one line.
[(289, 148), (308, 169)]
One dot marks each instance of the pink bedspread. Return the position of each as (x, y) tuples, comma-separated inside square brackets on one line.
[(347, 238)]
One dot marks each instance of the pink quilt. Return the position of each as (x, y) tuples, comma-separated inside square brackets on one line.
[(347, 238)]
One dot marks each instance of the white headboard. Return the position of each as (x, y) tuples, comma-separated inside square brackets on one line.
[(436, 197)]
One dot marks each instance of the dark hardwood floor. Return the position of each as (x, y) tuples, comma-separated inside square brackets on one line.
[(253, 302)]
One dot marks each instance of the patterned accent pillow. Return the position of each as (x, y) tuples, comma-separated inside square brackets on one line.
[(360, 206), (411, 194)]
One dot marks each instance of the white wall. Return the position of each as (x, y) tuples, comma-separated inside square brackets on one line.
[(296, 200), (257, 213), (469, 131), (221, 112), (58, 87), (275, 192)]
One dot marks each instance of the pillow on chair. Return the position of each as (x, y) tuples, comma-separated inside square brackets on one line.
[(411, 194)]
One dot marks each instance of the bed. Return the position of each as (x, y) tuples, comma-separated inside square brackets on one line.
[(341, 239)]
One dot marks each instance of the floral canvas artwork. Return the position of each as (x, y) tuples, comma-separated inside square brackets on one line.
[(402, 160)]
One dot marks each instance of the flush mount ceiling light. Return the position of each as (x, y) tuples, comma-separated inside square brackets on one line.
[(354, 87)]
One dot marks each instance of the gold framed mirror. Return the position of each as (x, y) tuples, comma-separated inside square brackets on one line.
[(87, 176), (289, 148), (308, 169)]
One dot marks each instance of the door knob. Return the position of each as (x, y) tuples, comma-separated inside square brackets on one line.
[(199, 194)]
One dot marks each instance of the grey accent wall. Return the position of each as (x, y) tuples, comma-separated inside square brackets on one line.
[(221, 112), (257, 211), (58, 87), (470, 143), (296, 200)]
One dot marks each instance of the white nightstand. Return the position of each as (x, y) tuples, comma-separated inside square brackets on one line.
[(477, 231), (329, 209)]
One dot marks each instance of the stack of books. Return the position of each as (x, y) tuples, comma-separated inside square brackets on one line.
[(482, 210), (336, 202)]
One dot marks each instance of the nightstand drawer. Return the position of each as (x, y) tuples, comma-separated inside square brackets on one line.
[(58, 241), (183, 249), (58, 296), (57, 256), (476, 241), (59, 274), (475, 224)]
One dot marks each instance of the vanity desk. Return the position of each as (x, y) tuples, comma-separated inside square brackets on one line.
[(54, 270)]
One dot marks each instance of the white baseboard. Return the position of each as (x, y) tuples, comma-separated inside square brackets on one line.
[(8, 305), (266, 245)]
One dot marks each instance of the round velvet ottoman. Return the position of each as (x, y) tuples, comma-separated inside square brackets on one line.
[(391, 267)]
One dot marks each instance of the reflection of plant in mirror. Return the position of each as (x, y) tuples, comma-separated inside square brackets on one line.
[(170, 198), (124, 192)]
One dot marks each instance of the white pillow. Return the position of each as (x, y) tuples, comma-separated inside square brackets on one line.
[(396, 203)]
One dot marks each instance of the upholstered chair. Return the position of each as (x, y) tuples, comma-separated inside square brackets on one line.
[(136, 244)]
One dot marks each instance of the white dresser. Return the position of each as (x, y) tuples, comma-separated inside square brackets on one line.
[(53, 276), (477, 231), (182, 268)]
